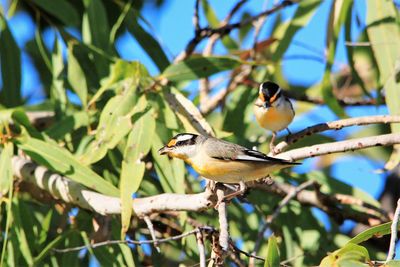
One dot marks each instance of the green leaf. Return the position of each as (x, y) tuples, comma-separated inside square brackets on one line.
[(6, 164), (376, 231), (76, 76), (127, 254), (62, 161), (10, 60), (46, 223), (20, 117), (115, 123), (119, 22), (120, 71), (384, 34), (138, 145), (20, 231), (272, 259), (392, 263), (146, 41), (339, 10), (45, 252), (349, 255), (68, 124), (351, 53), (61, 9), (286, 31), (57, 91), (163, 166), (95, 27), (199, 67), (6, 174)]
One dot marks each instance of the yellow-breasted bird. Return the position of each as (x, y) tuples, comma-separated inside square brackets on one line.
[(222, 161), (273, 110)]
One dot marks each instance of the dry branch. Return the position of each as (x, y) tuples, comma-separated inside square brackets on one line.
[(335, 125), (340, 146)]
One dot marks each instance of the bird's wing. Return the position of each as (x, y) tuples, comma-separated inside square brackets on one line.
[(223, 150)]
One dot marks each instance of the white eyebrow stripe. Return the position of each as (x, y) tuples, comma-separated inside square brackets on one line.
[(184, 137)]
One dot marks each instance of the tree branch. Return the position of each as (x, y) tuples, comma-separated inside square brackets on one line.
[(340, 146), (394, 229), (63, 188), (333, 205), (335, 125)]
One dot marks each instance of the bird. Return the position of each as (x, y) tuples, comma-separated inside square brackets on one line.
[(273, 110), (223, 161)]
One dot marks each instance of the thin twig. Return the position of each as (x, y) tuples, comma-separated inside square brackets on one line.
[(196, 20), (224, 30), (394, 229), (335, 125), (152, 232), (369, 43), (250, 255), (136, 242), (200, 246), (257, 29), (292, 194)]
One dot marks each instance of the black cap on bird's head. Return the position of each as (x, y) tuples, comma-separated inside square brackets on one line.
[(269, 92)]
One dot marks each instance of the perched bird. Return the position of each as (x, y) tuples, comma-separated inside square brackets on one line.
[(273, 110), (222, 161)]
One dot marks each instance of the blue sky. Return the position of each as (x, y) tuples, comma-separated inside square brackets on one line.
[(174, 29)]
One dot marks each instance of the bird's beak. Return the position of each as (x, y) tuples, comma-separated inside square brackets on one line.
[(164, 150), (266, 104)]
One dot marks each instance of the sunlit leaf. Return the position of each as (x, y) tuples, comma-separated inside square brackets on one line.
[(349, 255), (6, 175), (120, 71), (62, 161), (76, 76), (163, 166), (384, 34), (137, 146), (338, 12), (115, 123), (286, 31), (57, 91), (375, 231), (272, 259), (199, 67)]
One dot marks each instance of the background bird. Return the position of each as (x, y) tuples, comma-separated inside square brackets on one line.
[(222, 161), (273, 110)]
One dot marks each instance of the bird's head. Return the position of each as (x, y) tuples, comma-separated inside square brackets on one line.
[(181, 146), (269, 93)]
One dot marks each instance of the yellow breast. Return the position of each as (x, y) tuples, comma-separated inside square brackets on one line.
[(274, 119)]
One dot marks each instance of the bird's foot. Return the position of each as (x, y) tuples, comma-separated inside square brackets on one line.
[(241, 192), (271, 144)]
